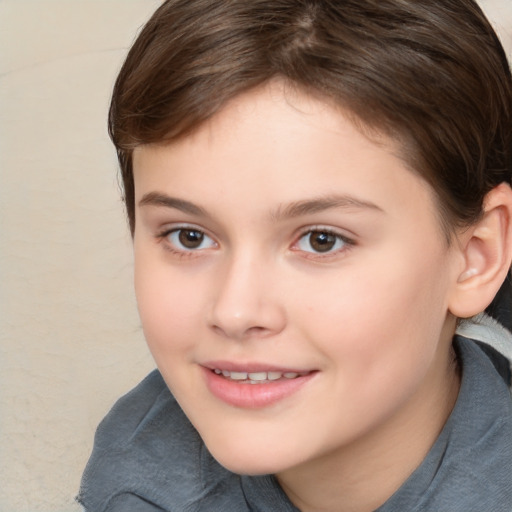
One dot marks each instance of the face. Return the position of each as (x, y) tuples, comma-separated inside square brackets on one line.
[(292, 279)]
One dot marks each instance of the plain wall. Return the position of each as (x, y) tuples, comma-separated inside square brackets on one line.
[(70, 338)]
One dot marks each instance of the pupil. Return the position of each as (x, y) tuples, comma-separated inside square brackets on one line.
[(321, 241), (191, 239)]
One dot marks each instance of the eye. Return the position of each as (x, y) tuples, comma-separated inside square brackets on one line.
[(189, 239), (321, 241)]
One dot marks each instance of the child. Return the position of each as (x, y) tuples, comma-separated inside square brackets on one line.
[(319, 194)]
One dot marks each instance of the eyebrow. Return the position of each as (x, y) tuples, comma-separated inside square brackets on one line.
[(294, 209), (315, 205), (159, 199)]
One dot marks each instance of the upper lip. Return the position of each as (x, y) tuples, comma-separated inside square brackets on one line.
[(251, 367)]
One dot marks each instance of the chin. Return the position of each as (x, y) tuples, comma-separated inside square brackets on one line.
[(247, 461), (252, 467)]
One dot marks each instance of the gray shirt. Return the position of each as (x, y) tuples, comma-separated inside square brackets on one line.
[(147, 457)]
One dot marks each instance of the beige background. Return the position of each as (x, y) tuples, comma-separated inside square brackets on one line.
[(70, 339)]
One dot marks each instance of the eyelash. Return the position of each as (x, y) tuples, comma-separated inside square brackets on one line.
[(347, 243), (163, 238)]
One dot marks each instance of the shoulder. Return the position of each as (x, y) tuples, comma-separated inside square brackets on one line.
[(477, 460), (493, 338), (469, 467), (474, 451), (146, 450), (147, 407)]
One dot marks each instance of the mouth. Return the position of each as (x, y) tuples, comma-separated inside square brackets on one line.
[(253, 388), (258, 377)]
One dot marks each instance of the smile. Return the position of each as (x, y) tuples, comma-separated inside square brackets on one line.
[(258, 377), (253, 389)]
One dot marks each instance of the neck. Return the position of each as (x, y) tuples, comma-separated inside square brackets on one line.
[(364, 475)]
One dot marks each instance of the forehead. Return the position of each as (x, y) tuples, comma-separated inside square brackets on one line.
[(276, 145)]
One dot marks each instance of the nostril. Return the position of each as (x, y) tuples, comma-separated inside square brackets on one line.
[(257, 331), (218, 330), (254, 331)]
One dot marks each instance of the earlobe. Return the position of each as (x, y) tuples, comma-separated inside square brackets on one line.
[(487, 255)]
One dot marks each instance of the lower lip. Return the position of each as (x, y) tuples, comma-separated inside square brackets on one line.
[(253, 396)]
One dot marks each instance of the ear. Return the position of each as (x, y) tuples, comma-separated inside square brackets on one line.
[(486, 249)]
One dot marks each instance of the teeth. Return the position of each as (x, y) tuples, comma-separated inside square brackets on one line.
[(256, 377), (238, 375)]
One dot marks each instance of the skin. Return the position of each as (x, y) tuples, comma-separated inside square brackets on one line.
[(369, 317)]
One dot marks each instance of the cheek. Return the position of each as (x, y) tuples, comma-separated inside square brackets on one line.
[(379, 323), (168, 306)]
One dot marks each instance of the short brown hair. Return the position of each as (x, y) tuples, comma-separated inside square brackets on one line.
[(431, 74)]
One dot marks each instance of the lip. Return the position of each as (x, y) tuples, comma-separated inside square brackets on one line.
[(252, 396), (231, 366)]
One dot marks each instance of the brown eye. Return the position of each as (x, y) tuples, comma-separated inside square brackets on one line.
[(318, 241), (190, 238), (321, 241)]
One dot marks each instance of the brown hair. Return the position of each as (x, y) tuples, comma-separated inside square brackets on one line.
[(429, 73)]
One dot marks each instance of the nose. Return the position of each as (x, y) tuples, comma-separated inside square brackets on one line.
[(246, 301)]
